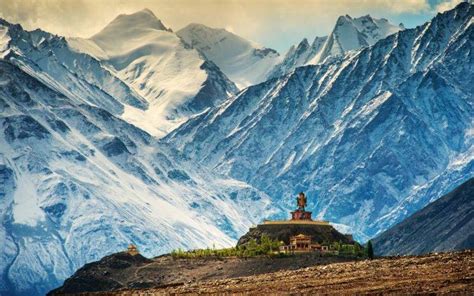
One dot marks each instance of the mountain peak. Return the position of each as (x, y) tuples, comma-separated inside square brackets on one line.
[(343, 19), (304, 43), (199, 26), (143, 19), (463, 7), (245, 62), (206, 31), (147, 11)]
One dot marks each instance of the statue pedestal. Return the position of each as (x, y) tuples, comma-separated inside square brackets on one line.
[(300, 215)]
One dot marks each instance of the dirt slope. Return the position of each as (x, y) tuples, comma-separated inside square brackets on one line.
[(122, 271), (445, 273)]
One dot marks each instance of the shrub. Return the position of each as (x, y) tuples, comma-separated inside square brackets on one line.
[(266, 247), (370, 250)]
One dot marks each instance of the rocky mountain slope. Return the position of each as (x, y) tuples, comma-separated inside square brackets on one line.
[(348, 34), (371, 138), (444, 225), (445, 273), (176, 80), (78, 182), (244, 62)]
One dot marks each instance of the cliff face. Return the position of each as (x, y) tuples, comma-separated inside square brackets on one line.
[(283, 232)]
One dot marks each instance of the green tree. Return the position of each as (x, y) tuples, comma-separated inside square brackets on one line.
[(370, 250)]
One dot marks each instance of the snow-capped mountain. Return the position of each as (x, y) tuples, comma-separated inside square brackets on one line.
[(444, 225), (367, 136), (79, 76), (244, 62), (78, 182), (176, 81), (298, 55), (348, 34), (371, 136)]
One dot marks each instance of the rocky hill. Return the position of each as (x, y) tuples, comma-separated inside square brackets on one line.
[(283, 232), (445, 273), (444, 225)]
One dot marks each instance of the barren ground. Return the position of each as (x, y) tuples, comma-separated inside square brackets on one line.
[(444, 273)]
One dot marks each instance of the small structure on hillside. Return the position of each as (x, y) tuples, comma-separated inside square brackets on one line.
[(302, 244), (132, 250)]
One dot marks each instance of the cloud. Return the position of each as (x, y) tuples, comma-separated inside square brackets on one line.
[(277, 23), (447, 5), (400, 6), (230, 29)]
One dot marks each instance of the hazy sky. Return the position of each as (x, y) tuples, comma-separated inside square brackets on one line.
[(273, 23)]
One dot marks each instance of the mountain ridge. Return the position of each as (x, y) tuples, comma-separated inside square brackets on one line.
[(348, 131), (348, 34), (441, 226), (243, 61), (175, 80), (371, 137), (73, 172)]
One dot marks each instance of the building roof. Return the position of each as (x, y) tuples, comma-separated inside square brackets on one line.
[(301, 236)]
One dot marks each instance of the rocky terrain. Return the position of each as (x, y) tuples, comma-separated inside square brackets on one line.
[(122, 271), (444, 273)]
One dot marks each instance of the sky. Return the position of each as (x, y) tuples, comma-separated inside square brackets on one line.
[(277, 24)]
